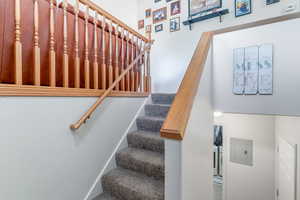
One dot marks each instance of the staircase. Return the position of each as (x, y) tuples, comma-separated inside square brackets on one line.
[(140, 167)]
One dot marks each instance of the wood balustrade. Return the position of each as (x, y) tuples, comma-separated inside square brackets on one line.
[(63, 49)]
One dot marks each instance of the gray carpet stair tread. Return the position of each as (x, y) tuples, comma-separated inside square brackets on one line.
[(146, 140), (128, 185), (143, 161), (146, 123), (162, 98), (157, 110), (105, 196)]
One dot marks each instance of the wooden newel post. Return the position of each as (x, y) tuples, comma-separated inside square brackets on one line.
[(18, 44)]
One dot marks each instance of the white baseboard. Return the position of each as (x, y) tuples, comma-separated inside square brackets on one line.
[(96, 188)]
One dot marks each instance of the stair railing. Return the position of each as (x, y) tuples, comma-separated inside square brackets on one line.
[(176, 122), (83, 64), (128, 71)]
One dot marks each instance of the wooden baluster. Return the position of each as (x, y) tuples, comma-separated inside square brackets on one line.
[(110, 65), (36, 53), (144, 68), (77, 58), (86, 54), (96, 82), (117, 71), (103, 67), (141, 68), (123, 88), (127, 62), (136, 53), (132, 77), (18, 44), (52, 56), (65, 48), (148, 70)]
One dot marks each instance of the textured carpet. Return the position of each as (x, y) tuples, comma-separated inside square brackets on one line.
[(140, 168)]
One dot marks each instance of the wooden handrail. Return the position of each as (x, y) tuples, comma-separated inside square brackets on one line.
[(88, 114), (178, 116), (107, 15)]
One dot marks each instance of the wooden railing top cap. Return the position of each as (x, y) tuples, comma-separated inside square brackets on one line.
[(114, 19)]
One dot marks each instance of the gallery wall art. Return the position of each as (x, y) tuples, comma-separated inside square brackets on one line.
[(175, 8), (253, 70), (175, 24), (141, 24), (243, 7), (200, 6), (148, 13), (159, 28), (159, 15)]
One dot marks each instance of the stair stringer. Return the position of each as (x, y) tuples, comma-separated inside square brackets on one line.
[(96, 188)]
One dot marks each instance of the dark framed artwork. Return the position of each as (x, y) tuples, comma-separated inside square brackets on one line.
[(269, 2), (156, 1), (141, 24), (242, 7), (159, 15), (148, 13), (159, 28), (168, 1), (201, 6), (175, 24), (175, 8)]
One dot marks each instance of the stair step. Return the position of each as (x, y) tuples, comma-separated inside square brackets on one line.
[(152, 124), (105, 196), (157, 110), (162, 98), (146, 140), (143, 161), (128, 185)]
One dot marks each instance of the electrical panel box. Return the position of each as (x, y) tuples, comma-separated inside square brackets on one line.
[(241, 151)]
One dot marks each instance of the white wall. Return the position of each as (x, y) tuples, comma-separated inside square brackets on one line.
[(41, 158), (288, 128), (126, 11), (172, 52), (189, 163), (285, 100), (245, 182)]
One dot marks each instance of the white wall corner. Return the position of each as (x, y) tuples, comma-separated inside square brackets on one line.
[(96, 188)]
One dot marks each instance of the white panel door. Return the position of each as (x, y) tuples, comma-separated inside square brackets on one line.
[(287, 170)]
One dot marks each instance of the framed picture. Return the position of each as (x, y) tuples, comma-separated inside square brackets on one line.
[(175, 8), (141, 24), (269, 2), (149, 28), (242, 7), (159, 15), (175, 24), (148, 13), (168, 1), (156, 1), (159, 28), (201, 6)]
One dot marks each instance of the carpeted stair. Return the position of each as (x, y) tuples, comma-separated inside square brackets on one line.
[(140, 167)]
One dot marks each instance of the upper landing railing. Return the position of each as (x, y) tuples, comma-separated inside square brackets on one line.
[(51, 49)]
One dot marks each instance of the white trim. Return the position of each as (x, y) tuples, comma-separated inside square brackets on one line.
[(131, 125)]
